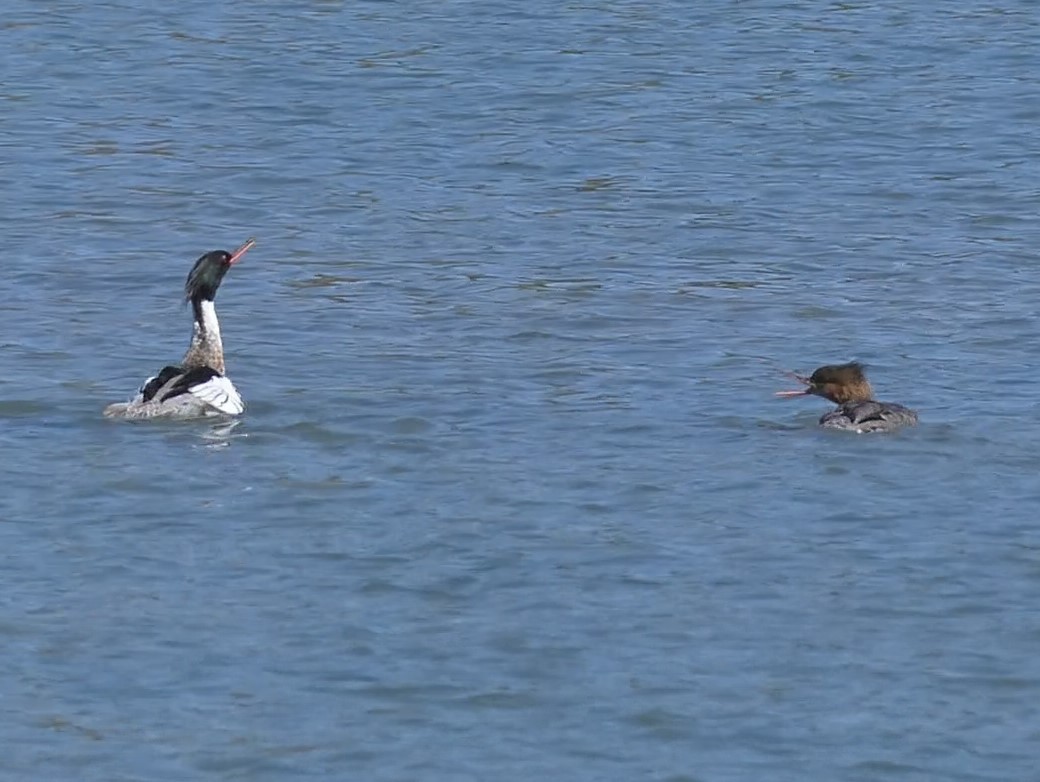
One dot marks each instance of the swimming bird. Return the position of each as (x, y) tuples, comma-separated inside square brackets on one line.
[(198, 386), (847, 386)]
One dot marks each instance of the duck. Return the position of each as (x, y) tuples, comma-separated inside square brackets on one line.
[(846, 385), (198, 387)]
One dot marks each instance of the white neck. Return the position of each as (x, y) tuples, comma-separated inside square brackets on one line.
[(210, 326), (206, 347)]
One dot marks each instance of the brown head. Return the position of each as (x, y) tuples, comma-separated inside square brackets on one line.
[(839, 383)]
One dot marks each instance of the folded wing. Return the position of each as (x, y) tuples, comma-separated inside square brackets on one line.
[(219, 393), (204, 384)]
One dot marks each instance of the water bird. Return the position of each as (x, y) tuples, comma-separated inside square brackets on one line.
[(846, 385), (198, 386)]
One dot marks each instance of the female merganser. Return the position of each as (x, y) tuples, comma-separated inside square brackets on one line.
[(846, 385), (198, 387)]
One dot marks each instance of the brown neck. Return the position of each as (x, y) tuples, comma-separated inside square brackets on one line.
[(859, 391)]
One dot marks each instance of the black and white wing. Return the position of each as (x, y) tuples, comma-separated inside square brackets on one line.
[(203, 384), (219, 393)]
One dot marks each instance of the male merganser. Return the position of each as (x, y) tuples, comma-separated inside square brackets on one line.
[(846, 385), (198, 387)]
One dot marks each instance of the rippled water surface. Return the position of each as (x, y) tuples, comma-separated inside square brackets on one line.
[(513, 498)]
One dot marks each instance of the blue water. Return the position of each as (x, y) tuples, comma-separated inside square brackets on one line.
[(513, 497)]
